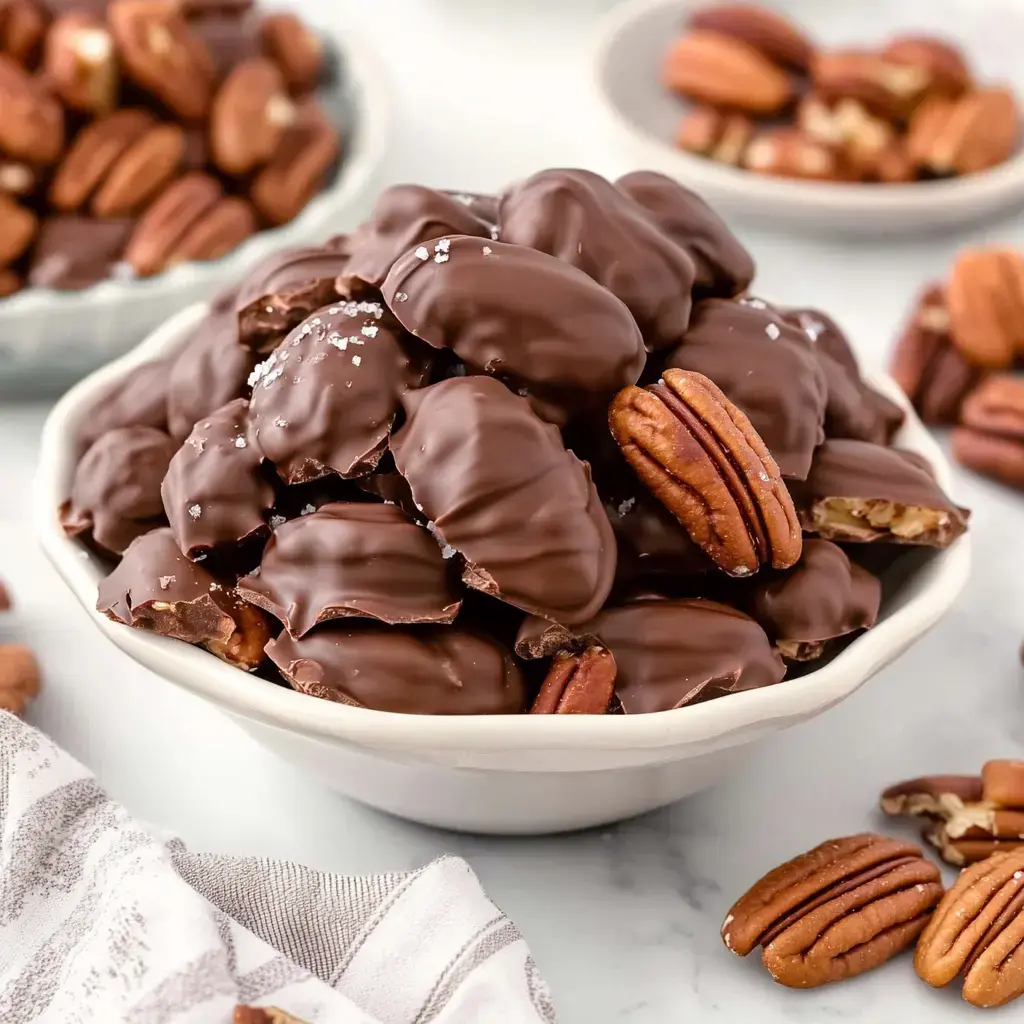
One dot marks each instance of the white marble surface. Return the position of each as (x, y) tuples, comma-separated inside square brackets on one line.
[(624, 923)]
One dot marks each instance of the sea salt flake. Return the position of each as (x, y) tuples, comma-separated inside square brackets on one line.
[(166, 581), (401, 297), (741, 570), (195, 511), (488, 251), (444, 245), (199, 443), (494, 232), (754, 303), (201, 557), (307, 510), (337, 341), (217, 586), (240, 442), (296, 380), (422, 254), (773, 332), (276, 521), (441, 257), (356, 360), (1018, 875), (348, 383), (625, 506), (459, 197), (369, 330), (280, 421)]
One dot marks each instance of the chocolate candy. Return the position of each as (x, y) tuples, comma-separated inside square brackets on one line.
[(283, 289), (438, 670), (325, 400), (484, 207), (822, 597), (865, 493), (724, 268), (670, 653), (76, 252), (352, 559), (825, 334), (115, 496), (767, 369), (572, 339), (587, 222), (501, 489), (404, 217), (154, 587), (215, 494), (212, 370)]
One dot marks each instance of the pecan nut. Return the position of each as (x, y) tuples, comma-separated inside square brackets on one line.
[(1003, 783), (578, 684), (32, 126), (225, 226), (974, 843), (10, 282), (766, 31), (250, 113), (1000, 458), (978, 930), (836, 911), (140, 171), (791, 153), (701, 458), (884, 87), (20, 678), (294, 48), (716, 134), (943, 63), (996, 407), (725, 72), (79, 62), (986, 306), (935, 796), (865, 142), (22, 25), (263, 1015), (18, 226)]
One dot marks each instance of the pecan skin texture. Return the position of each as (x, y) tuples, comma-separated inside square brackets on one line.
[(701, 458), (839, 910), (578, 684), (19, 678), (986, 306), (978, 929), (1003, 783)]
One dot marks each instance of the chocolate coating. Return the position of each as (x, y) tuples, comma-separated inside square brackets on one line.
[(283, 289), (765, 367), (72, 253), (427, 670), (325, 400), (724, 268), (215, 494), (483, 206), (404, 217), (823, 596), (585, 221), (469, 296), (115, 496), (854, 409), (826, 336), (502, 490), (352, 559), (212, 370)]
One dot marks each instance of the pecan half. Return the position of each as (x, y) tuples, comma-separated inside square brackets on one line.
[(32, 125), (224, 227), (79, 62), (294, 48), (1003, 783), (725, 72), (22, 25), (578, 684), (991, 440), (766, 31), (886, 88), (836, 911), (716, 134), (943, 63), (935, 796), (19, 678), (986, 306), (18, 226), (978, 929), (974, 841), (791, 153), (701, 458), (140, 171)]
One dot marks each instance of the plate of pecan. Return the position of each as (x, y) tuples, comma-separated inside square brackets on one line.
[(871, 118), (149, 152)]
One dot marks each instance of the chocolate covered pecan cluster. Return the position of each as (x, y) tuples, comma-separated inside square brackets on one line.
[(538, 451), (768, 99), (139, 134)]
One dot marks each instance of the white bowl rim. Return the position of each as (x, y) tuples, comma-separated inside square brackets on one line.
[(255, 698), (373, 105), (998, 184)]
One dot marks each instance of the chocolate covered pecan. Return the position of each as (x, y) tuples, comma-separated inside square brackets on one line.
[(577, 684), (74, 252)]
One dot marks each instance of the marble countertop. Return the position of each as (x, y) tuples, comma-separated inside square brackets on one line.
[(623, 922)]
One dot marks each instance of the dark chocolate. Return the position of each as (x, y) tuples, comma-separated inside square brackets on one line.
[(353, 559), (585, 221), (501, 489), (482, 205), (571, 338), (855, 410), (212, 370), (72, 253), (426, 670), (283, 289), (822, 597), (326, 398), (766, 368), (155, 587), (115, 496), (404, 217), (724, 268), (215, 494)]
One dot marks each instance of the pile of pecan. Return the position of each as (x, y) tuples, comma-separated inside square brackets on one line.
[(19, 670), (768, 100), (955, 356), (139, 134)]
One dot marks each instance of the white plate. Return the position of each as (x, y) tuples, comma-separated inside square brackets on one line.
[(498, 773), (50, 338), (642, 116)]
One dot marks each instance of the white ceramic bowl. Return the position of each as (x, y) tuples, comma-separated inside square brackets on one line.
[(641, 116), (500, 774), (50, 338)]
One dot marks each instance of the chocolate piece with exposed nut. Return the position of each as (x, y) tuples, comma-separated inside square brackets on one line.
[(353, 559), (768, 32), (156, 588), (501, 489), (20, 678), (79, 62), (823, 597), (864, 493), (115, 496), (214, 493), (425, 670), (75, 252), (584, 220), (325, 400), (32, 126), (701, 458), (571, 346), (841, 909)]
